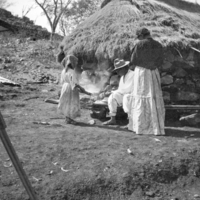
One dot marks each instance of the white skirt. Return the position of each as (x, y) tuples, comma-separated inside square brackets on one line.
[(146, 111), (69, 103)]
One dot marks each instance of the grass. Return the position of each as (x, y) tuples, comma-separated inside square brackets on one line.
[(99, 166)]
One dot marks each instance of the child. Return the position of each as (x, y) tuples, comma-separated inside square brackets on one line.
[(69, 102)]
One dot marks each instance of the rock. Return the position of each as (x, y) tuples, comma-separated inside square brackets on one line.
[(52, 89), (195, 77), (18, 41), (187, 96), (166, 66), (198, 85), (163, 74), (1, 85), (190, 64), (185, 64), (193, 119), (179, 58), (7, 60), (169, 57), (166, 96), (179, 81), (170, 88), (92, 122), (45, 91), (166, 80), (180, 73), (190, 56), (1, 96), (150, 193), (187, 88), (2, 66), (196, 196), (190, 83)]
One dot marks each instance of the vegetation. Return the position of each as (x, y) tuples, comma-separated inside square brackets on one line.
[(110, 32), (66, 12), (24, 27), (78, 13), (4, 4), (53, 11)]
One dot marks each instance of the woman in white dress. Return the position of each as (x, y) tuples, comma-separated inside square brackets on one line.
[(147, 111), (69, 102)]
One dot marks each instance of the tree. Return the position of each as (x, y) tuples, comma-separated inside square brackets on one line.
[(4, 4), (78, 12), (53, 10)]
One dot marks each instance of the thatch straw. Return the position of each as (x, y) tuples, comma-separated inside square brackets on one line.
[(110, 32)]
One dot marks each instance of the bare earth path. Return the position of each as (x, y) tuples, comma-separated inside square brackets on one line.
[(65, 162), (95, 159)]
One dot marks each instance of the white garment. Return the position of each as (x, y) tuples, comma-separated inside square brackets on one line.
[(126, 83), (69, 103), (147, 113), (120, 96)]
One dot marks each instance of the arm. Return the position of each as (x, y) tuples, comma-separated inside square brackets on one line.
[(82, 90), (159, 61), (134, 57)]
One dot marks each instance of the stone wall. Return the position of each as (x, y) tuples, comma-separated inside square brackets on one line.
[(180, 76)]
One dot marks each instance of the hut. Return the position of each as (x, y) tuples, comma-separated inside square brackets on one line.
[(110, 33)]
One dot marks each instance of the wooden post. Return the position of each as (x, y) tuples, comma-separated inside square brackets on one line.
[(15, 160)]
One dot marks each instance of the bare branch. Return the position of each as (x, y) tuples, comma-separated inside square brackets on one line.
[(42, 6), (25, 10), (4, 4)]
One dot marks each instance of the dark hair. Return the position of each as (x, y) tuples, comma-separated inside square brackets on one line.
[(142, 32), (61, 47), (70, 66)]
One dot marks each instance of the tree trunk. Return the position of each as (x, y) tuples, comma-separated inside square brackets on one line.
[(52, 35), (53, 30)]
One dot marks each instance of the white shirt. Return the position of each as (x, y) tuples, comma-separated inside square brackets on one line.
[(126, 83)]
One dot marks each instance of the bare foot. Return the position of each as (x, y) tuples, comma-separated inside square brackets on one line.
[(110, 122), (70, 121), (124, 127)]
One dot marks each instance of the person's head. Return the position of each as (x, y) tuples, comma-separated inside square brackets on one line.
[(142, 33), (70, 61), (61, 47), (121, 66)]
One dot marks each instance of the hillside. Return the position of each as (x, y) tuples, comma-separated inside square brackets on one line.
[(67, 162), (25, 27), (88, 161)]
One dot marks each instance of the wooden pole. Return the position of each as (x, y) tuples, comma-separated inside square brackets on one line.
[(182, 107), (15, 160)]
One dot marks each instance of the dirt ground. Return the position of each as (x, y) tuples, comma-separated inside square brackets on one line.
[(90, 162)]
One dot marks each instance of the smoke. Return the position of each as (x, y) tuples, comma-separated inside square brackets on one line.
[(94, 82)]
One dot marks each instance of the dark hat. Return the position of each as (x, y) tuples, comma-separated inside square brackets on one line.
[(142, 32), (119, 63)]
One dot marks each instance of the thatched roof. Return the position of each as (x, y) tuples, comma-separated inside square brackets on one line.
[(110, 32)]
